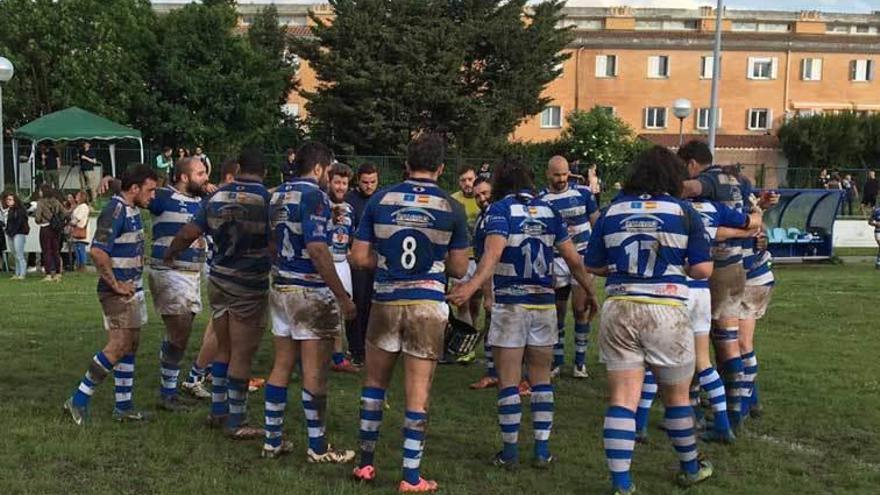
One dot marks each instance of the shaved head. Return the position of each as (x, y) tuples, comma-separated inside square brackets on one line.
[(557, 173)]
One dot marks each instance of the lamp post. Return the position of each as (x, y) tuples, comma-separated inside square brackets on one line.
[(681, 108), (6, 72)]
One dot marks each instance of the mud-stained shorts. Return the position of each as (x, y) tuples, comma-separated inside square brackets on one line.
[(632, 334), (175, 292), (416, 329), (514, 325), (122, 312), (562, 274), (246, 305), (304, 313), (727, 285), (699, 306), (755, 301)]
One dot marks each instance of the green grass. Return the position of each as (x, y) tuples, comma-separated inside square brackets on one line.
[(818, 373)]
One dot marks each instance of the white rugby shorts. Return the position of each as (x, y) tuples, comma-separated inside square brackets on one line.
[(304, 313), (175, 292), (699, 307), (343, 270), (515, 325)]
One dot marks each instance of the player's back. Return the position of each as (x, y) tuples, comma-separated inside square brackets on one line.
[(532, 229), (299, 214), (172, 210), (236, 217), (575, 204), (729, 190), (120, 233), (412, 226), (646, 241)]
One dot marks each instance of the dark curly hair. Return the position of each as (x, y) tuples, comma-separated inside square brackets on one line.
[(511, 176), (656, 171)]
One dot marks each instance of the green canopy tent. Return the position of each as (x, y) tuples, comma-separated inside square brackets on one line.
[(71, 124)]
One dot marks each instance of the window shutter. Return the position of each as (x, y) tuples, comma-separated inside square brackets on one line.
[(615, 65), (718, 117), (708, 63), (804, 67), (769, 118), (653, 66), (601, 64), (817, 69), (774, 67), (750, 68), (667, 67), (853, 67), (645, 117), (869, 70)]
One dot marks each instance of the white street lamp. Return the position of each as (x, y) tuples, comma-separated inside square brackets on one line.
[(681, 108), (6, 72)]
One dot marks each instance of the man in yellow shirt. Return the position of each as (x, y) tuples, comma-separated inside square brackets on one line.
[(466, 177)]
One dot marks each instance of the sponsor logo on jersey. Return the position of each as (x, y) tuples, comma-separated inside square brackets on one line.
[(413, 217), (647, 223), (532, 227)]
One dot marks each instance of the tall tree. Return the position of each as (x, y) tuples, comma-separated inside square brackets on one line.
[(473, 69)]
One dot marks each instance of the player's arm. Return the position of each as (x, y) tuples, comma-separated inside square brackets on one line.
[(700, 264), (596, 259), (726, 233), (579, 272), (104, 267), (457, 262), (187, 235), (494, 247), (362, 257), (108, 228)]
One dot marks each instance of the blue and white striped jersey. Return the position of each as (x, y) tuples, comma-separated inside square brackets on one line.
[(875, 216), (575, 205), (758, 265), (236, 217), (645, 242), (714, 215), (120, 234), (299, 214), (727, 190), (412, 226), (480, 234), (532, 229), (172, 210), (341, 230)]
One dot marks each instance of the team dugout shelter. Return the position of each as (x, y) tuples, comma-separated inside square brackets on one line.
[(801, 226)]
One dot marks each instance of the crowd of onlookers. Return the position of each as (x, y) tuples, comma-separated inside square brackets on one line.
[(836, 181)]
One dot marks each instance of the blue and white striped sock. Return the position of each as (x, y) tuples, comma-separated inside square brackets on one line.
[(169, 368), (695, 400), (219, 389), (619, 436), (750, 373), (711, 383), (276, 401), (414, 426), (542, 418), (238, 394), (123, 377), (372, 404), (490, 361), (733, 377), (680, 429), (509, 418), (559, 346), (581, 343), (98, 370), (315, 410), (649, 392), (196, 373)]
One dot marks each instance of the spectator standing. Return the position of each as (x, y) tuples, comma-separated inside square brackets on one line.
[(869, 192), (287, 169), (49, 162), (87, 163), (822, 181), (50, 218), (850, 193), (16, 229), (79, 229), (594, 182), (164, 164), (362, 280), (204, 158)]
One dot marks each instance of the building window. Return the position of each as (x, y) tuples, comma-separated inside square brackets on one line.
[(763, 67), (606, 110), (658, 66), (703, 118), (665, 25), (707, 65), (811, 69), (551, 117), (773, 27), (655, 118), (745, 26), (852, 29), (759, 119), (861, 70), (606, 65), (649, 25)]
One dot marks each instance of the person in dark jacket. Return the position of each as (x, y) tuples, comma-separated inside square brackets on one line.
[(17, 229), (362, 280), (49, 209), (869, 192)]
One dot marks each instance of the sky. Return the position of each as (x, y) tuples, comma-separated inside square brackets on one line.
[(860, 6)]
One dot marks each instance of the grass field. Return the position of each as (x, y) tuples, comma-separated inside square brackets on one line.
[(818, 373)]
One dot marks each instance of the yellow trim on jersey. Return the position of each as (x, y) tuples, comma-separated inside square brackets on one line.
[(647, 300), (538, 306)]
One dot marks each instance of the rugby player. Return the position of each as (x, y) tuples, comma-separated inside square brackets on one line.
[(194, 384), (521, 231), (306, 301), (577, 206), (874, 221), (236, 218), (646, 242), (759, 287), (412, 234), (483, 194), (469, 311), (176, 288), (118, 253), (341, 233)]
